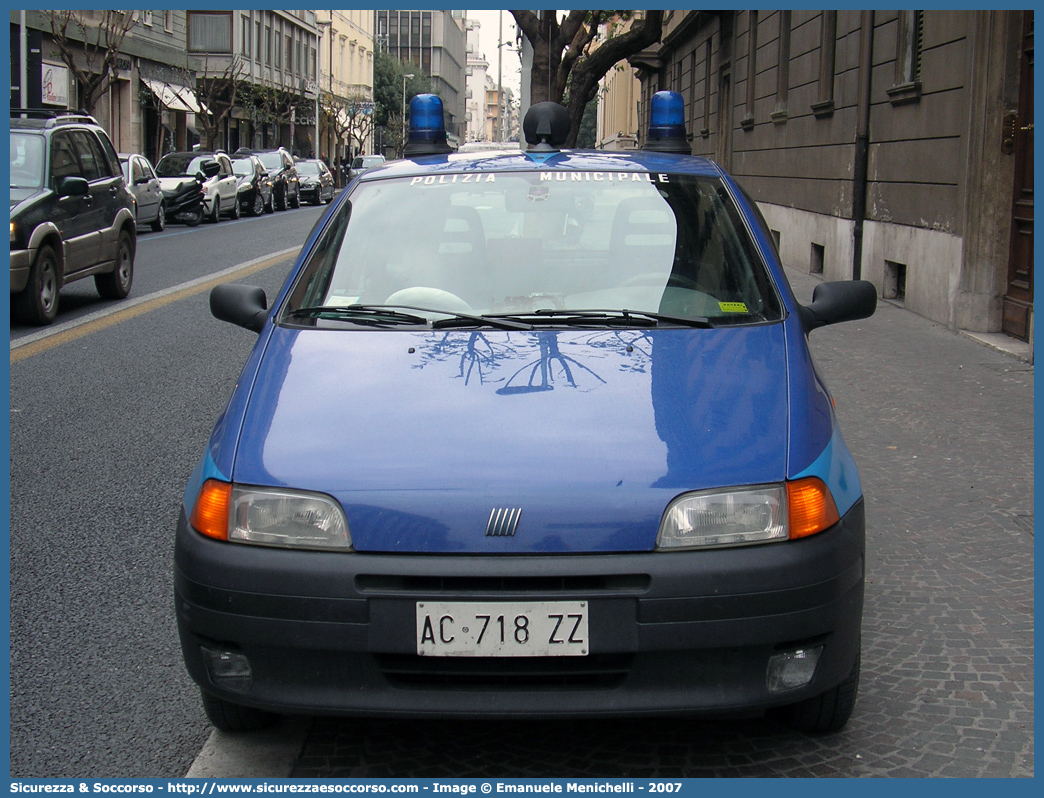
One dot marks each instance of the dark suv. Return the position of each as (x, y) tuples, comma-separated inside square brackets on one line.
[(72, 215), (286, 188)]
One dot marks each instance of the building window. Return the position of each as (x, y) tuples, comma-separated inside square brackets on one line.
[(146, 18), (909, 39), (289, 54), (168, 21), (747, 122), (779, 114), (210, 31), (824, 104), (246, 37)]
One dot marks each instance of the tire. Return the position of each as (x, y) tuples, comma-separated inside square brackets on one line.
[(160, 222), (229, 717), (193, 218), (234, 214), (259, 204), (295, 200), (829, 711), (117, 283), (215, 214), (280, 201), (38, 302), (270, 205)]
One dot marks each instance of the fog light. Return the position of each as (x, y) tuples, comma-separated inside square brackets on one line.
[(227, 669), (791, 669)]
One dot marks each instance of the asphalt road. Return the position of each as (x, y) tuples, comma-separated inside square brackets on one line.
[(105, 428), (107, 421)]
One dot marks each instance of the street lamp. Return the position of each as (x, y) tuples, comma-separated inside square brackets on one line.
[(319, 25), (404, 79)]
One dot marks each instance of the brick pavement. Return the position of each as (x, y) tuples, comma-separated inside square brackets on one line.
[(942, 429)]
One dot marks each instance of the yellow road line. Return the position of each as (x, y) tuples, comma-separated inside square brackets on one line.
[(75, 333)]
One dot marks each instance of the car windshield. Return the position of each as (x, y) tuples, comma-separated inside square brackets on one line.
[(545, 243), (310, 168), (180, 164), (271, 160), (243, 167), (27, 160), (366, 161)]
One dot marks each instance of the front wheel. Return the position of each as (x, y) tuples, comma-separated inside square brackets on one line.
[(259, 204), (117, 283), (215, 214), (37, 303), (295, 200), (229, 717), (829, 711), (234, 213), (192, 218)]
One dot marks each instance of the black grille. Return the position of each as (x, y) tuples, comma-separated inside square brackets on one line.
[(595, 671), (464, 585)]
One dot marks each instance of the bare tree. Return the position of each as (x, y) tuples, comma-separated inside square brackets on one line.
[(99, 41), (217, 93), (565, 61)]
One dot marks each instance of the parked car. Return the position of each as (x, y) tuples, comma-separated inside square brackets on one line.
[(145, 186), (316, 181), (529, 434), (255, 186), (283, 173), (220, 190), (363, 162), (72, 214)]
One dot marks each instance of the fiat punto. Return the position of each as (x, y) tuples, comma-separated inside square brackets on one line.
[(529, 434)]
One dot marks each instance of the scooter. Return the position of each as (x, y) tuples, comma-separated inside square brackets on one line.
[(185, 203)]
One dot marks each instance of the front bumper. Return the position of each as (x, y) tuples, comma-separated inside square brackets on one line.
[(21, 262), (678, 633)]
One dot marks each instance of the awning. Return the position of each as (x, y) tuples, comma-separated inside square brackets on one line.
[(174, 97)]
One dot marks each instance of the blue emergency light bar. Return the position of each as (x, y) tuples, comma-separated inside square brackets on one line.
[(427, 127), (667, 124)]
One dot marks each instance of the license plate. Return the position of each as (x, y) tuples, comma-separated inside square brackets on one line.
[(502, 629)]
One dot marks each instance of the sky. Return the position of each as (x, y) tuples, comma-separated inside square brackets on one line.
[(490, 21)]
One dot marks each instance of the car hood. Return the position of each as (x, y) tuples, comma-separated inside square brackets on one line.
[(421, 436), (175, 183), (20, 195)]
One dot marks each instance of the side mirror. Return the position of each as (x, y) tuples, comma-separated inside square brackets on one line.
[(73, 186), (844, 300), (242, 305), (211, 168)]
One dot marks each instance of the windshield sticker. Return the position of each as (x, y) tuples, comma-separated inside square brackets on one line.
[(604, 177), (445, 180), (538, 193), (732, 307)]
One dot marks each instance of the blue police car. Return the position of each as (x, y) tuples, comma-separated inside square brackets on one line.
[(530, 433)]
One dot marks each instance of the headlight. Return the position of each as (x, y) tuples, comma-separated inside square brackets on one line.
[(270, 517), (12, 232), (748, 515)]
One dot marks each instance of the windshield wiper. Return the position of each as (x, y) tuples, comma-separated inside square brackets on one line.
[(392, 315), (359, 314), (642, 318)]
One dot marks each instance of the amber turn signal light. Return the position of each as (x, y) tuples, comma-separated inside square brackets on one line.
[(210, 515), (812, 508)]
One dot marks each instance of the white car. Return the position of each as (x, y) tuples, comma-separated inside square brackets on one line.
[(219, 190)]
